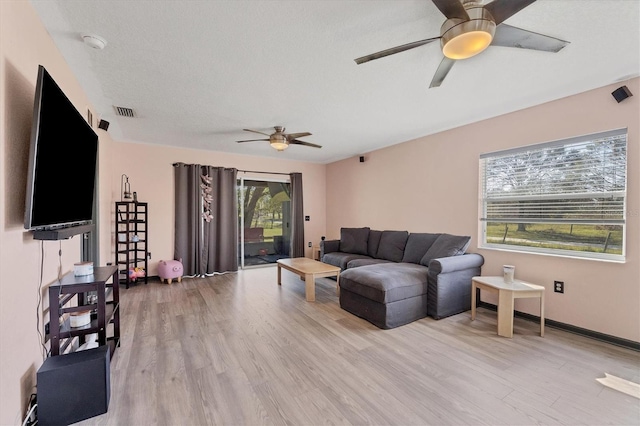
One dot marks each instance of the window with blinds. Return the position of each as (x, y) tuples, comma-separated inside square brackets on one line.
[(564, 197)]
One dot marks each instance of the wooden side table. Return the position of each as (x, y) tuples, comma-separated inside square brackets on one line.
[(507, 293)]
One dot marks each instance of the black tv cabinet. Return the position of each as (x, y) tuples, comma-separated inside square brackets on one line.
[(104, 283)]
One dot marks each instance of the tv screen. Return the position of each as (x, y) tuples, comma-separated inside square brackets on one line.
[(62, 161)]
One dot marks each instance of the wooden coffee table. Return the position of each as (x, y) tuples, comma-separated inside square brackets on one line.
[(507, 293), (309, 270)]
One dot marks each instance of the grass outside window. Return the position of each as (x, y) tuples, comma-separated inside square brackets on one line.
[(580, 238)]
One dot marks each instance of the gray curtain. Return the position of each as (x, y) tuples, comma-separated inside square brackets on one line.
[(188, 223), (221, 234), (206, 247), (297, 216)]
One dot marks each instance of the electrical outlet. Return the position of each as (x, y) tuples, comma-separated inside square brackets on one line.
[(307, 218), (149, 254), (309, 243), (558, 286)]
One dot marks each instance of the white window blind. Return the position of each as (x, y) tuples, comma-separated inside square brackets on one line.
[(572, 181)]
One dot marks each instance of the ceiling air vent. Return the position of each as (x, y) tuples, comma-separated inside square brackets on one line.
[(124, 112)]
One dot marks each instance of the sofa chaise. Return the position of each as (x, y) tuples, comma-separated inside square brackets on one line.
[(391, 278)]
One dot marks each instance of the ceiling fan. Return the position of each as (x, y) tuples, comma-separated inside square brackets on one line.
[(470, 28), (281, 140)]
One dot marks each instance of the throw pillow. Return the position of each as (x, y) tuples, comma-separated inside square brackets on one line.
[(354, 240), (417, 246), (392, 245), (446, 245)]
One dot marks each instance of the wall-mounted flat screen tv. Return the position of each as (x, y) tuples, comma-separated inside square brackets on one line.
[(62, 161)]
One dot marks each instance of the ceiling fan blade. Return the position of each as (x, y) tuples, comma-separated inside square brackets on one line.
[(394, 50), (255, 131), (442, 71), (501, 10), (452, 9), (297, 135), (297, 142), (253, 140), (508, 36)]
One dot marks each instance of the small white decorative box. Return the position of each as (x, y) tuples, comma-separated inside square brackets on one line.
[(78, 319), (83, 268)]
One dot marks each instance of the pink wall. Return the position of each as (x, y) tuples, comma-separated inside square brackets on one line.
[(428, 184), (431, 185), (150, 172), (25, 44)]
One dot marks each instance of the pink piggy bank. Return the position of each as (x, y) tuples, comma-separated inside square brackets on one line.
[(169, 269)]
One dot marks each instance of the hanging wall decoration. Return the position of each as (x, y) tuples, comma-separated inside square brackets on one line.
[(207, 197)]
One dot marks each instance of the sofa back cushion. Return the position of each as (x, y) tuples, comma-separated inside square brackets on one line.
[(446, 245), (374, 242), (392, 245), (417, 246), (354, 240)]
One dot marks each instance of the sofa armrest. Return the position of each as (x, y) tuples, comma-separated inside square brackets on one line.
[(329, 246), (445, 265), (449, 284)]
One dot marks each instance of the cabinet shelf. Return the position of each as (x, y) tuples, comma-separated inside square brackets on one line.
[(131, 261), (131, 251), (132, 242), (67, 331), (131, 219), (105, 311), (86, 307)]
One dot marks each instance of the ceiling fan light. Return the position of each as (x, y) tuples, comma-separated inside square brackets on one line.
[(278, 141), (464, 39), (467, 44), (279, 146)]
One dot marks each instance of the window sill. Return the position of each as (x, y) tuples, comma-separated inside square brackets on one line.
[(567, 255)]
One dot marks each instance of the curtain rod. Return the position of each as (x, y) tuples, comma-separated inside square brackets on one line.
[(266, 173), (250, 171)]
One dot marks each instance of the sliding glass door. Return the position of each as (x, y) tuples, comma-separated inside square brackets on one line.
[(264, 221)]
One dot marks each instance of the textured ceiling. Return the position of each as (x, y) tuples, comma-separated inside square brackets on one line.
[(198, 72)]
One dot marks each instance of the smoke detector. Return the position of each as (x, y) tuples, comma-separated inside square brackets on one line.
[(94, 41)]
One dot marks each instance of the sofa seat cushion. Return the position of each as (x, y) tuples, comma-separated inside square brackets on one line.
[(338, 258), (355, 263), (354, 240), (392, 245), (387, 282)]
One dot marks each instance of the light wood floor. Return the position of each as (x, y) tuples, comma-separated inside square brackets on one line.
[(238, 349)]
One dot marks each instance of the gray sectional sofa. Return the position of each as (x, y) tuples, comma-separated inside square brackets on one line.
[(391, 278)]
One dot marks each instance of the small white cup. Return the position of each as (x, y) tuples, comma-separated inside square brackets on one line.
[(509, 272)]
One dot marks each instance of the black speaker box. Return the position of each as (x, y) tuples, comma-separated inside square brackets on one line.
[(103, 124), (362, 159), (621, 93), (73, 387)]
